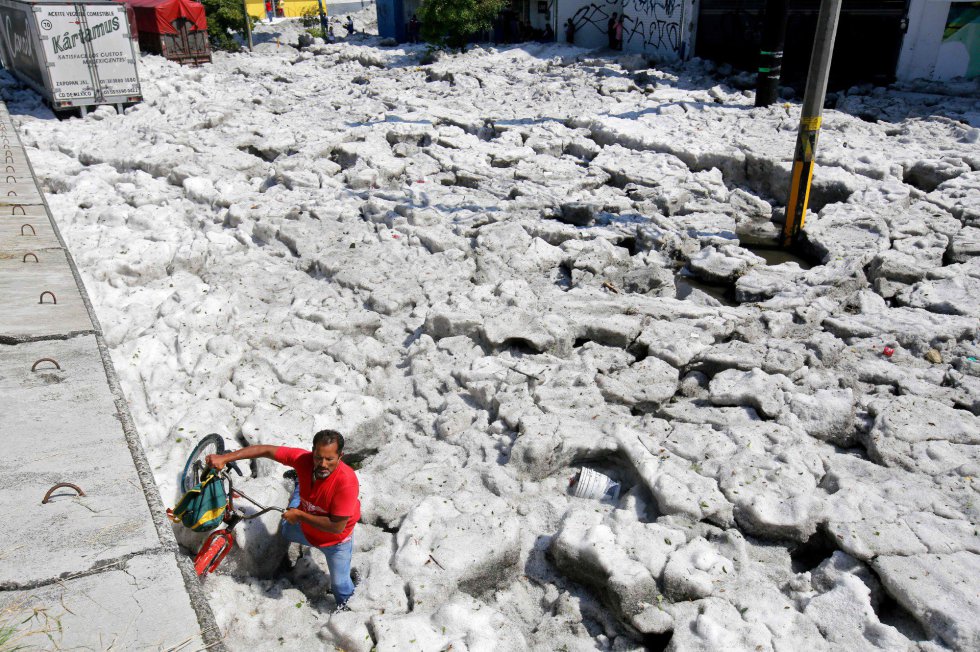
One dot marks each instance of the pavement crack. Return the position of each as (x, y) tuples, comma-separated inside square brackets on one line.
[(119, 563)]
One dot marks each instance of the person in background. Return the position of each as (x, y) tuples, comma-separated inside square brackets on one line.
[(549, 34), (269, 11), (414, 28), (611, 30), (619, 33), (570, 31), (349, 26)]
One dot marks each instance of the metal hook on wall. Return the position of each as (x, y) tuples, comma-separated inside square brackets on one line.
[(47, 496), (51, 360)]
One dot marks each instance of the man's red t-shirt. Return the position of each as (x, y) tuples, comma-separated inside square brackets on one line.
[(335, 495)]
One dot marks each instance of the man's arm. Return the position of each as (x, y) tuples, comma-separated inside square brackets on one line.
[(247, 453), (332, 524)]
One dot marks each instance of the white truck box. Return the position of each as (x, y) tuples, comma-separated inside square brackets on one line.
[(72, 54)]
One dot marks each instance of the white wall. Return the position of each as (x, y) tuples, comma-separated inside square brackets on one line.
[(590, 18), (923, 53), (659, 27), (654, 27), (537, 19)]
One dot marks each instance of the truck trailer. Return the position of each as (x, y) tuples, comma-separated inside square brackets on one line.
[(176, 29), (75, 55)]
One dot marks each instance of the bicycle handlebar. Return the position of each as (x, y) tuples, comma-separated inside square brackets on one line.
[(231, 489), (263, 511)]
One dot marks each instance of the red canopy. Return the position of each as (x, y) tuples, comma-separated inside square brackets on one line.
[(157, 16)]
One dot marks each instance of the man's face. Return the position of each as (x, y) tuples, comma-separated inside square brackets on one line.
[(325, 460)]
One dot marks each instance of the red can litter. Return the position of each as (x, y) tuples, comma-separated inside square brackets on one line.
[(888, 351)]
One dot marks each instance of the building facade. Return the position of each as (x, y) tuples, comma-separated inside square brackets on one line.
[(661, 29), (296, 8), (943, 40), (877, 40)]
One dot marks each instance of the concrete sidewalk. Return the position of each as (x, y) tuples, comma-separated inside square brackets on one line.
[(101, 570)]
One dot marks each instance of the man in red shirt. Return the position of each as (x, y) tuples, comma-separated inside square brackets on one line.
[(324, 506)]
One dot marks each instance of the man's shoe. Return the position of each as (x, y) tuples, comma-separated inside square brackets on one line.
[(342, 607)]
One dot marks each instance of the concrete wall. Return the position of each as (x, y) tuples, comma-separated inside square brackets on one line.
[(102, 566), (925, 54), (664, 29), (590, 18), (538, 19)]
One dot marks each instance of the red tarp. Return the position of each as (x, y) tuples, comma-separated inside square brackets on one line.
[(156, 16)]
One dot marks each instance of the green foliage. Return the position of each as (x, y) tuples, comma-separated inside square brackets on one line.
[(19, 622), (7, 640), (310, 17), (225, 18), (451, 23)]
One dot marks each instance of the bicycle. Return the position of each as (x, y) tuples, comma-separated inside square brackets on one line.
[(219, 543)]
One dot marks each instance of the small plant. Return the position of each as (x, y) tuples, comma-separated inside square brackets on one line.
[(310, 17), (19, 622)]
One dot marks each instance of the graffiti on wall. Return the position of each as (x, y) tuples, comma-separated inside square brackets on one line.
[(653, 25), (648, 25), (595, 15)]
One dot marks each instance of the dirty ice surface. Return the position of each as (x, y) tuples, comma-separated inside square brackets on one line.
[(470, 267)]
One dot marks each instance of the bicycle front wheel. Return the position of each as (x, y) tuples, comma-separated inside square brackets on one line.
[(194, 469)]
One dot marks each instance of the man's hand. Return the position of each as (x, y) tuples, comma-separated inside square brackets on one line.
[(219, 462), (216, 461), (332, 524), (293, 516)]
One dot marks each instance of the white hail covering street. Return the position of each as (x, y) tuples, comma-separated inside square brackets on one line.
[(471, 268)]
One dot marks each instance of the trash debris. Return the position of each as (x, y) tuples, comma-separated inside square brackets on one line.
[(888, 351), (934, 356), (595, 485)]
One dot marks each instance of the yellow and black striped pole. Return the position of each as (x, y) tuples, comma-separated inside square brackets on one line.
[(801, 177), (810, 120)]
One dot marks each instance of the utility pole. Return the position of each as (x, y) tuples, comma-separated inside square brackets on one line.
[(248, 25), (810, 119), (771, 53)]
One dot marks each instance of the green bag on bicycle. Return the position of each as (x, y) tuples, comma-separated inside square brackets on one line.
[(203, 507)]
